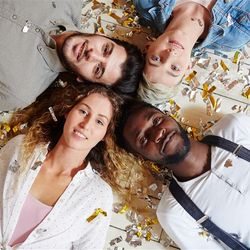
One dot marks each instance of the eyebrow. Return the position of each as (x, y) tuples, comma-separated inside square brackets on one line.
[(101, 115), (104, 68), (149, 115)]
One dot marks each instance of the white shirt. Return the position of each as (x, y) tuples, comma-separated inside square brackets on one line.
[(65, 227), (221, 193)]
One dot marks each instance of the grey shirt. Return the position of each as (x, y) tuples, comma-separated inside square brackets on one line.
[(28, 57)]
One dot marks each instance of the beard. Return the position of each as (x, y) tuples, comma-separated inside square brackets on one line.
[(64, 53), (181, 154), (67, 62)]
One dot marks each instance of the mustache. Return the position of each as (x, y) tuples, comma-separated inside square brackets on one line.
[(180, 155)]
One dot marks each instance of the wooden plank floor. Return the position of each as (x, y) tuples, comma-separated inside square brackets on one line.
[(194, 110)]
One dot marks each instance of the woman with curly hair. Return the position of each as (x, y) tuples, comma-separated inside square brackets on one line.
[(55, 179)]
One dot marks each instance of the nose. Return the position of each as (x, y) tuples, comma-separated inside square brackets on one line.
[(156, 134), (85, 123), (95, 55), (165, 54)]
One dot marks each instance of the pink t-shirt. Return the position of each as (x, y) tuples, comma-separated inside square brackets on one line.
[(31, 215)]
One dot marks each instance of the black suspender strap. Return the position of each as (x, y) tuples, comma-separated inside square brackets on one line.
[(227, 145), (190, 207), (203, 219)]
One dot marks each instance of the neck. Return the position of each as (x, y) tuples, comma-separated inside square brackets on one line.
[(63, 160), (195, 164), (190, 19), (59, 40)]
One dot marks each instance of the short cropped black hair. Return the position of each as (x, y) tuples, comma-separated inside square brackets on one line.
[(129, 107), (132, 70)]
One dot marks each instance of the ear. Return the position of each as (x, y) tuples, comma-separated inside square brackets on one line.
[(79, 79)]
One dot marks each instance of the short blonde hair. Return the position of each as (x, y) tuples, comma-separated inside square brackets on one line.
[(155, 93)]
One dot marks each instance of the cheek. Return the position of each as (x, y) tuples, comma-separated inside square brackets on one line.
[(154, 74), (100, 134), (85, 69), (149, 151)]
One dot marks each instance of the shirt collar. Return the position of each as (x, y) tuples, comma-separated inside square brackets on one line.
[(48, 50)]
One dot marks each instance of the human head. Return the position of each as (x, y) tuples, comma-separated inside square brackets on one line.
[(43, 129), (87, 122), (146, 131), (103, 60), (167, 58)]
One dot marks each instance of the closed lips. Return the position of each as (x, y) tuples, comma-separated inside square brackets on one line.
[(166, 140)]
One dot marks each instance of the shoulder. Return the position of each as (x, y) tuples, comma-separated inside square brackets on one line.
[(174, 220), (13, 145), (180, 226), (168, 206), (232, 123), (10, 154), (169, 212), (102, 189)]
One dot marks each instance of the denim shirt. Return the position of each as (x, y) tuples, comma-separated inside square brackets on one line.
[(230, 21)]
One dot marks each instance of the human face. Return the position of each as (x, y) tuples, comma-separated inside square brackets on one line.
[(156, 137), (93, 57), (87, 122), (167, 59)]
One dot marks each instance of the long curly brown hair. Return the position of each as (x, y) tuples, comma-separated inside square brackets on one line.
[(41, 129), (126, 174)]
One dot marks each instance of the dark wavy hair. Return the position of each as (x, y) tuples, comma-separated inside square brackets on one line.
[(132, 70)]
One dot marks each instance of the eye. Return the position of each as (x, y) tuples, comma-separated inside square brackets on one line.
[(99, 122), (106, 50), (143, 141), (175, 68), (98, 70), (157, 121), (83, 112), (155, 58)]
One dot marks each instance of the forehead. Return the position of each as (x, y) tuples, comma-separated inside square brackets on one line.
[(98, 104), (113, 70), (138, 121)]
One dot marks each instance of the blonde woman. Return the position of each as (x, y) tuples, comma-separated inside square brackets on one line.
[(54, 178)]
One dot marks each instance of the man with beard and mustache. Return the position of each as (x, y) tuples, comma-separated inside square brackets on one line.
[(41, 39), (216, 180)]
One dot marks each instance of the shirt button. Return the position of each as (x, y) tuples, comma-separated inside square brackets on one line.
[(41, 49), (41, 230), (37, 30), (14, 17)]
